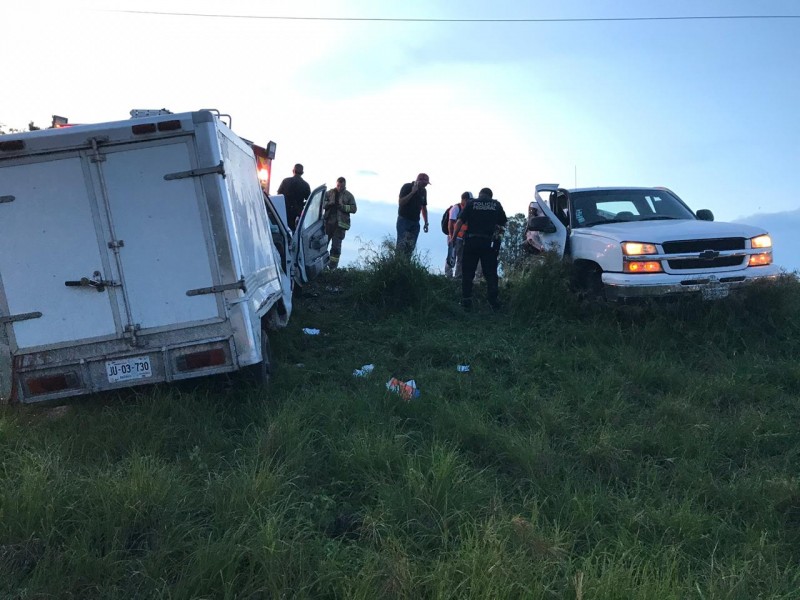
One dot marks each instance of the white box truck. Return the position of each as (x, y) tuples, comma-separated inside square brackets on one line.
[(141, 251)]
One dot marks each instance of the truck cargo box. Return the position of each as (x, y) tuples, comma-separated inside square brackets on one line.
[(140, 251)]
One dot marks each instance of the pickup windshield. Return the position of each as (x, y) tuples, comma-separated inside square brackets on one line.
[(594, 207)]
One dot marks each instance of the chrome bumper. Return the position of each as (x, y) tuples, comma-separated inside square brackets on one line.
[(710, 286)]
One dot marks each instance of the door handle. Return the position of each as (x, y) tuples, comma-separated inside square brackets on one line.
[(99, 284)]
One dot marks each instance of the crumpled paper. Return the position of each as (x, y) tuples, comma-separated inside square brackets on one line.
[(407, 390)]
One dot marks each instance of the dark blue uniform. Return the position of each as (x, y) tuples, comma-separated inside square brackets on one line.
[(483, 216)]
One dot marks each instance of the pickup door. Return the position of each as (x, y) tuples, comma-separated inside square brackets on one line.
[(310, 243), (555, 241)]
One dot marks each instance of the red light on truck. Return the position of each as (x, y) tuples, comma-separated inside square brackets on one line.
[(144, 128), (169, 125), (760, 260), (643, 266), (201, 360), (12, 146), (49, 384)]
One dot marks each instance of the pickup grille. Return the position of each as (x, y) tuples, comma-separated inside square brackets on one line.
[(684, 246), (701, 263)]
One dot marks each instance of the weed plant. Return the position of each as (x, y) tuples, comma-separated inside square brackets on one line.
[(593, 450)]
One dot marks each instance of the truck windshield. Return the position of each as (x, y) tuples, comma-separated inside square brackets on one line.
[(593, 207)]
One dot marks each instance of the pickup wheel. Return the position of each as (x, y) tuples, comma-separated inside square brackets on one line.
[(589, 280)]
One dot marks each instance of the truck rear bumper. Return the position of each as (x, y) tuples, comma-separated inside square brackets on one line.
[(711, 286), (103, 366)]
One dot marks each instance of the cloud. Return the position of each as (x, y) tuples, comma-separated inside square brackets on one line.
[(784, 228)]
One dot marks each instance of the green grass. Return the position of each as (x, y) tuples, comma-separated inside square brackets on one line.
[(592, 451)]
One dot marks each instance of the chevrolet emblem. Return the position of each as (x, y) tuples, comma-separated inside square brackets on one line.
[(708, 255)]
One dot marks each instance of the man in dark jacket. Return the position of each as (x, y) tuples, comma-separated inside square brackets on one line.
[(485, 219), (296, 191), (413, 201)]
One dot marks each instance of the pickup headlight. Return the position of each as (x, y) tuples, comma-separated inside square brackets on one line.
[(638, 248), (632, 264), (761, 241)]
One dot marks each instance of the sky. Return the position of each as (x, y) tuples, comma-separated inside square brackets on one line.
[(706, 107)]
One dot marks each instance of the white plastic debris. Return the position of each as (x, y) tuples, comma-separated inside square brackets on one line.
[(310, 331), (363, 371), (462, 368)]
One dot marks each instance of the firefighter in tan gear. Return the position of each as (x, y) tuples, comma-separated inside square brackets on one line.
[(339, 205)]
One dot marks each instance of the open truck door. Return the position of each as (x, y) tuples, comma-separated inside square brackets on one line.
[(552, 226), (310, 242)]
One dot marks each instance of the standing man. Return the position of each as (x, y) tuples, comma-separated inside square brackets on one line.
[(455, 243), (413, 201), (339, 205), (296, 191), (485, 218)]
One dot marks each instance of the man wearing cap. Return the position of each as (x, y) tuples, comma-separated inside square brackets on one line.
[(296, 191), (413, 202), (485, 219)]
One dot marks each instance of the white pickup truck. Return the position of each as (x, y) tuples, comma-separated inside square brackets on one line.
[(634, 242), (140, 251)]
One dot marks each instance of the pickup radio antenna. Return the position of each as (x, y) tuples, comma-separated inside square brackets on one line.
[(576, 176)]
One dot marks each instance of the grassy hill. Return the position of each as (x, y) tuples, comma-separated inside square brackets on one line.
[(592, 451)]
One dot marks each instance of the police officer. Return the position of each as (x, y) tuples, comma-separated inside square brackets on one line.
[(485, 219)]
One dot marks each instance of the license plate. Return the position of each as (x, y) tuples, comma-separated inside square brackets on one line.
[(715, 291), (126, 369)]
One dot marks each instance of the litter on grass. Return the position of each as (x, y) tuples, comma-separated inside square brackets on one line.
[(363, 371), (462, 368), (407, 390), (310, 331)]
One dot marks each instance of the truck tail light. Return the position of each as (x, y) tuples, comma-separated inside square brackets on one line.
[(169, 125), (201, 360), (143, 128), (643, 266), (12, 146), (760, 260), (48, 384)]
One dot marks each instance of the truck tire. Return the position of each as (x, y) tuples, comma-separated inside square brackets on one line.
[(589, 280), (261, 373)]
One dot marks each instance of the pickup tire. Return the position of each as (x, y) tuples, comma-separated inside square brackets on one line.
[(589, 281)]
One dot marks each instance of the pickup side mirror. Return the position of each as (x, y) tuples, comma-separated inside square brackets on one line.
[(705, 215), (543, 224)]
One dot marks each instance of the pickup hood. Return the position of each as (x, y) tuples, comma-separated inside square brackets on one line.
[(663, 231)]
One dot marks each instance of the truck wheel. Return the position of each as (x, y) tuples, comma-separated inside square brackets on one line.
[(590, 283), (260, 373)]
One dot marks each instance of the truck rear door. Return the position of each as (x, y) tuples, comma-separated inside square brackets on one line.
[(49, 235), (104, 240), (159, 233), (310, 243)]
